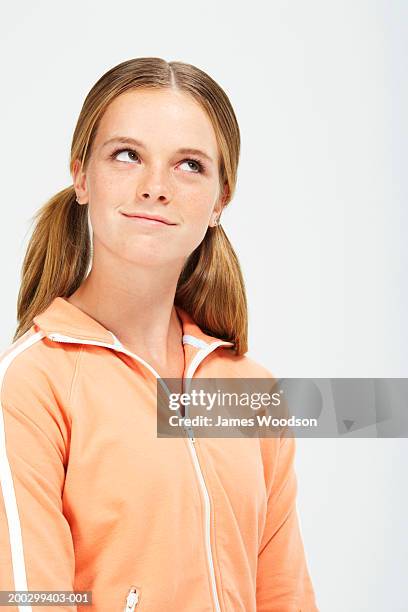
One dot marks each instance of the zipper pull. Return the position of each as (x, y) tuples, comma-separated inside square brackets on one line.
[(190, 433), (131, 599)]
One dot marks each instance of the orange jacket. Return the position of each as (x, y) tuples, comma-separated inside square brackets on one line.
[(92, 500)]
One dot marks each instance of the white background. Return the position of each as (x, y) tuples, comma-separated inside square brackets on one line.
[(318, 221)]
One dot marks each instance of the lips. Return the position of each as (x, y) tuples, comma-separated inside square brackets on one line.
[(157, 219)]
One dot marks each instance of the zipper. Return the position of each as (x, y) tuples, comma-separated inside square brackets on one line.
[(199, 357), (132, 599)]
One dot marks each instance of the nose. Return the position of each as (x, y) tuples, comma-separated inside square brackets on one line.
[(146, 195), (154, 186)]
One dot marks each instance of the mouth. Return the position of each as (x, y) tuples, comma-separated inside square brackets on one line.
[(148, 219)]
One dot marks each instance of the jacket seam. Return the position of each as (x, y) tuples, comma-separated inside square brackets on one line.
[(75, 374)]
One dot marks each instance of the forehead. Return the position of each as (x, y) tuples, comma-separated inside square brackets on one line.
[(161, 117)]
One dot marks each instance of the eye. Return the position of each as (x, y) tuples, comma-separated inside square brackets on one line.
[(118, 152), (197, 163)]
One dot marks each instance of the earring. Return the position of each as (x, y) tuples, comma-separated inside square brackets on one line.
[(216, 221)]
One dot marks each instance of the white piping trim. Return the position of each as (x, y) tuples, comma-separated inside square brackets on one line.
[(7, 484), (202, 354), (201, 344), (116, 341)]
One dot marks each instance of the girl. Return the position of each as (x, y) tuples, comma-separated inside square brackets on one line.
[(129, 278)]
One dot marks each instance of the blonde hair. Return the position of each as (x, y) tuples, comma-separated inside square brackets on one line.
[(211, 287)]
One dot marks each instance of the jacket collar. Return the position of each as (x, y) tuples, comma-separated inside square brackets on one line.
[(62, 317)]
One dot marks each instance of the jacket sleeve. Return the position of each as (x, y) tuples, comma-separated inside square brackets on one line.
[(283, 580), (36, 547)]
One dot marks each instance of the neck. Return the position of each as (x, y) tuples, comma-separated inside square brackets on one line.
[(136, 303)]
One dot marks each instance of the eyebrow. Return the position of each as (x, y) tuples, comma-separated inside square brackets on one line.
[(133, 141)]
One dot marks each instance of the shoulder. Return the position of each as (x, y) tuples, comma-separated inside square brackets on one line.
[(35, 365), (243, 365), (35, 384)]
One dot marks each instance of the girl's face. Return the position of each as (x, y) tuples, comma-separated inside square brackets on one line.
[(142, 163)]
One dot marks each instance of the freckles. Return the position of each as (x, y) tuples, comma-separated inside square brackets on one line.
[(201, 198)]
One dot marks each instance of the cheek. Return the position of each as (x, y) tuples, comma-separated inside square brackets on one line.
[(196, 206), (104, 189), (192, 235), (196, 216)]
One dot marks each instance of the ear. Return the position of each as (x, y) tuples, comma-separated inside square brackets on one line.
[(79, 180), (219, 205)]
